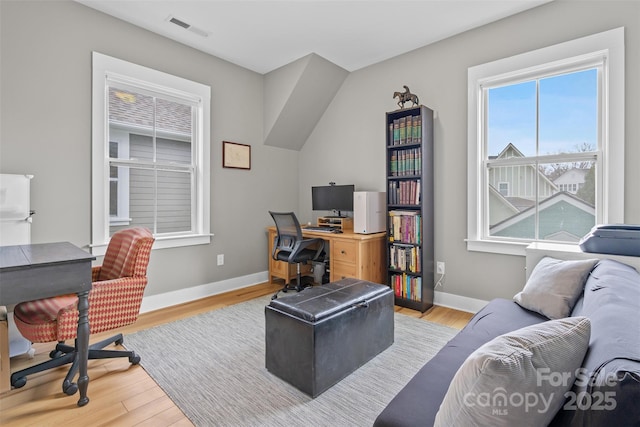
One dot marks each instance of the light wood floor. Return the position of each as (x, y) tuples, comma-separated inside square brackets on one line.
[(124, 395)]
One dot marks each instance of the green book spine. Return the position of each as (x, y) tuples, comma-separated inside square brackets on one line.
[(394, 164), (396, 132)]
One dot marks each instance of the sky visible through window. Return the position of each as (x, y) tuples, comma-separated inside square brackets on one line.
[(568, 115)]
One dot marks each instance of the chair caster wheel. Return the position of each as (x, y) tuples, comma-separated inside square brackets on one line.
[(69, 388), (55, 353), (134, 360), (19, 382)]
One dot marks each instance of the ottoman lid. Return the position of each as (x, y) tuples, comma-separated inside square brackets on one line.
[(318, 302)]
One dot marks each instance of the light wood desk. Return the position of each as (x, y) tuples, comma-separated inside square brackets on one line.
[(361, 256)]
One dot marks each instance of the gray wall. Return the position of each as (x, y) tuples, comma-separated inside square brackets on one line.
[(347, 146), (45, 129)]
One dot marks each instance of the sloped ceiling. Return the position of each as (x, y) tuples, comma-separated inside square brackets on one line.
[(296, 97)]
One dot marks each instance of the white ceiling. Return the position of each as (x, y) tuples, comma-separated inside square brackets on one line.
[(263, 35)]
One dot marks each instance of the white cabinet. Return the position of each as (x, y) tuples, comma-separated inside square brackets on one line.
[(15, 229)]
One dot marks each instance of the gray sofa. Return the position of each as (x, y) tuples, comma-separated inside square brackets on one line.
[(611, 301)]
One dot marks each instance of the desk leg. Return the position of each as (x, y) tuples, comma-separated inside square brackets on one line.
[(83, 346)]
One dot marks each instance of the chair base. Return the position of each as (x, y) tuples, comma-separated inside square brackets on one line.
[(64, 354), (298, 286)]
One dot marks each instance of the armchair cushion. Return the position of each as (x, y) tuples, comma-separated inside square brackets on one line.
[(38, 319)]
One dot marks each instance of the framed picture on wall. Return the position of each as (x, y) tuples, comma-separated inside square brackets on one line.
[(235, 155)]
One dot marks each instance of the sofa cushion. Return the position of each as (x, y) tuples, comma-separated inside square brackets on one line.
[(609, 384), (418, 402), (554, 286), (518, 378)]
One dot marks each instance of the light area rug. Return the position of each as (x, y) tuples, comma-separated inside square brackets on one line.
[(213, 367)]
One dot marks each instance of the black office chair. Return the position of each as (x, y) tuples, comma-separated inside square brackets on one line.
[(289, 246)]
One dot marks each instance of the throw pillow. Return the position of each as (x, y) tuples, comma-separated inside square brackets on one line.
[(518, 378), (554, 286)]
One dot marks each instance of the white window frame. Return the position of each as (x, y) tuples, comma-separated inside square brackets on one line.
[(122, 140), (106, 68), (610, 170)]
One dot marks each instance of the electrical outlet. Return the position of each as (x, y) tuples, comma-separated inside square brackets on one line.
[(221, 259), (440, 267)]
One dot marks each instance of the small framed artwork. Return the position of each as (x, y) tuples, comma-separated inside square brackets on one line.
[(236, 156)]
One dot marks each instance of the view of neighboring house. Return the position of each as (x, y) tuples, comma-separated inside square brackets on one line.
[(563, 216), (149, 142), (572, 180)]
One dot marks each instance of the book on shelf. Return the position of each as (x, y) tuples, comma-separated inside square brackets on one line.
[(406, 192), (405, 226), (406, 162), (396, 132), (405, 130), (393, 166), (406, 286), (405, 257)]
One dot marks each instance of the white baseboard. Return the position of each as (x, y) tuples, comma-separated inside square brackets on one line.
[(457, 302), (168, 299), (156, 302)]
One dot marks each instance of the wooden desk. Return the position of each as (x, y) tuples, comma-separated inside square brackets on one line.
[(30, 272), (361, 256)]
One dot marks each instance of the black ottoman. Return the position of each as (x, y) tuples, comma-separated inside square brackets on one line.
[(316, 337)]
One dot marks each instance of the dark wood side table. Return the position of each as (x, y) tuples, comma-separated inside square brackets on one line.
[(30, 272)]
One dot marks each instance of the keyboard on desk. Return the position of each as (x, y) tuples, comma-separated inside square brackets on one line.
[(322, 229)]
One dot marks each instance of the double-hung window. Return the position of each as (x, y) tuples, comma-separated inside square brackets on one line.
[(546, 142), (150, 154)]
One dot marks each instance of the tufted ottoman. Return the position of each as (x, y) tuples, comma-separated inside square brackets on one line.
[(316, 337)]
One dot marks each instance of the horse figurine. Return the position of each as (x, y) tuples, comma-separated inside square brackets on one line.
[(406, 96)]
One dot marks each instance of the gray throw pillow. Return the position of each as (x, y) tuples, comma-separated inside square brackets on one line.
[(519, 378), (554, 286)]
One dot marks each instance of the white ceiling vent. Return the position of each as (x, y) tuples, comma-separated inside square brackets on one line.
[(189, 27)]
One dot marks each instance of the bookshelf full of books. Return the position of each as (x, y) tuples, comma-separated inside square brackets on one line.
[(410, 235)]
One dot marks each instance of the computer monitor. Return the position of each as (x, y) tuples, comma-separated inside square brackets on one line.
[(332, 198)]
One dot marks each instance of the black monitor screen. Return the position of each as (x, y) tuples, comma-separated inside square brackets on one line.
[(332, 197)]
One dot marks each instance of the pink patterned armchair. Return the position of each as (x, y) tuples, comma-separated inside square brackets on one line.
[(114, 301)]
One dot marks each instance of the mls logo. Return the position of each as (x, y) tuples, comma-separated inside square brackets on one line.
[(499, 411)]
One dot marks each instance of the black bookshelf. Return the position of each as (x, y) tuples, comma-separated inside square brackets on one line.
[(410, 236)]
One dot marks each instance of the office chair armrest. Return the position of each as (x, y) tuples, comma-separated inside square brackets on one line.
[(320, 249)]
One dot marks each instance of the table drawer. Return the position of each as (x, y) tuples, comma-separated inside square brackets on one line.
[(341, 270), (345, 251)]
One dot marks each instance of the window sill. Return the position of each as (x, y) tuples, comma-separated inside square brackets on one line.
[(496, 247), (164, 242), (516, 248)]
